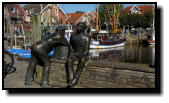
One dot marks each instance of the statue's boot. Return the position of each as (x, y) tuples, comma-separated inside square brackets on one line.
[(31, 83), (75, 80), (73, 83), (45, 76), (29, 80), (45, 84)]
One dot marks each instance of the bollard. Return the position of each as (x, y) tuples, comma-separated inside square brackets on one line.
[(36, 28)]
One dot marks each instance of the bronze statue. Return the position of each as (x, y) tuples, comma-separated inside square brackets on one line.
[(39, 53), (80, 42)]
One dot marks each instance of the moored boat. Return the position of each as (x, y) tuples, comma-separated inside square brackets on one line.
[(151, 40), (107, 44), (24, 53), (107, 38)]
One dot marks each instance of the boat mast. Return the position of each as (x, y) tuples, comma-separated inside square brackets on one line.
[(109, 16), (114, 20), (153, 17), (97, 19), (118, 25)]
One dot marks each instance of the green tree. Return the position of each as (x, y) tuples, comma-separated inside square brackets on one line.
[(103, 11), (79, 12), (137, 20), (148, 18)]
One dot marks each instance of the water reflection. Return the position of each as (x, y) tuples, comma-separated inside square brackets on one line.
[(128, 53)]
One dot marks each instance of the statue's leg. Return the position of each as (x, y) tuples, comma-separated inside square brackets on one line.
[(46, 70), (69, 69), (43, 57), (79, 69), (29, 80)]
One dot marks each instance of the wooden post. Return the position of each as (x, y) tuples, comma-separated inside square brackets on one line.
[(36, 29), (12, 33), (140, 36), (129, 36)]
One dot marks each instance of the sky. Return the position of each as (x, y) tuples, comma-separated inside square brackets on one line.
[(71, 8)]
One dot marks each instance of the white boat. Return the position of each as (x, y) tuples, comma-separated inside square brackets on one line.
[(152, 40), (68, 31), (96, 52), (107, 44), (103, 38)]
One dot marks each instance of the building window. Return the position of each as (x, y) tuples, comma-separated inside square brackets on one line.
[(135, 10), (12, 9)]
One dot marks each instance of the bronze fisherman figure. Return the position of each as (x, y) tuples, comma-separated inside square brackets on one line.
[(39, 55), (78, 50), (80, 42)]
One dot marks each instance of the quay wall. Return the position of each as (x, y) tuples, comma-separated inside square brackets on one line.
[(135, 39), (103, 74)]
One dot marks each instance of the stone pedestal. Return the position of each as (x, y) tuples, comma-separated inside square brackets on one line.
[(100, 74)]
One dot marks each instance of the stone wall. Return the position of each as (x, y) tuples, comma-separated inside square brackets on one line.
[(100, 74)]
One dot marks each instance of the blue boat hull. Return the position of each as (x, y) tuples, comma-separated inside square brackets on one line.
[(24, 53)]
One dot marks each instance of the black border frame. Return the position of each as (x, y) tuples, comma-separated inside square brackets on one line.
[(157, 88)]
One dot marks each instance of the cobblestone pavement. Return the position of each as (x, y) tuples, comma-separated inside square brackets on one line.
[(16, 79)]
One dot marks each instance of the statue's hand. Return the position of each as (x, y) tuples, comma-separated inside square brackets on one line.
[(71, 49), (77, 54)]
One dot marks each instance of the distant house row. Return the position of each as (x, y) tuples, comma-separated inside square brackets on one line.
[(53, 14), (138, 9), (24, 13), (50, 13)]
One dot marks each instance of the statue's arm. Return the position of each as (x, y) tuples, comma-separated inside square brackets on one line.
[(87, 46), (62, 42)]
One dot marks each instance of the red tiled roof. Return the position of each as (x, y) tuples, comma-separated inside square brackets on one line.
[(143, 8), (92, 13), (74, 17), (127, 9)]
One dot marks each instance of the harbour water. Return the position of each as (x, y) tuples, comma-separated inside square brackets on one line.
[(129, 53)]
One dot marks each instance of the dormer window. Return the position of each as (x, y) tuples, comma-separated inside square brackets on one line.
[(135, 10), (12, 9)]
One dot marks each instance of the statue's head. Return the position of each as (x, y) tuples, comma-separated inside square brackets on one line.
[(60, 28), (80, 27)]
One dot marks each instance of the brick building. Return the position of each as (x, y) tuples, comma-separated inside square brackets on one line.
[(16, 13), (74, 18), (50, 13), (91, 18)]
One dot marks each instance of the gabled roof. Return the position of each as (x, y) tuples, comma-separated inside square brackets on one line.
[(35, 7), (74, 17), (91, 13), (143, 8), (18, 10), (127, 9), (60, 9)]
